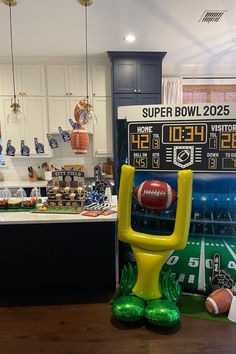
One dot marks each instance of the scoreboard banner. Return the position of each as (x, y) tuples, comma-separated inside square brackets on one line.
[(171, 112), (200, 137), (160, 140)]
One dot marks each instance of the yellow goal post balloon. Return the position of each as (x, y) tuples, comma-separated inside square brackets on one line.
[(151, 251)]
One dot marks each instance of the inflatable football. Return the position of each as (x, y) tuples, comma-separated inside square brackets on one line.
[(219, 301), (155, 195)]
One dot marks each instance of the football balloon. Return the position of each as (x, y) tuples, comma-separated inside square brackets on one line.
[(219, 301), (155, 195)]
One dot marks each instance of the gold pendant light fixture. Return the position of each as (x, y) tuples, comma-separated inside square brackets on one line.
[(88, 115), (15, 116), (86, 2), (10, 2)]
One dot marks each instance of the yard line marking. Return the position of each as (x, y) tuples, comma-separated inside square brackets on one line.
[(230, 250), (232, 246), (169, 255), (188, 243), (207, 244), (222, 245), (193, 243), (181, 278), (191, 278), (212, 244), (201, 274), (217, 244), (198, 243)]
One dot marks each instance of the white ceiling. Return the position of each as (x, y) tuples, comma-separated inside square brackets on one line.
[(55, 28)]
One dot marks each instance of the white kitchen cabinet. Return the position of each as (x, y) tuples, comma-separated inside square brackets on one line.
[(36, 125), (103, 135), (29, 80), (6, 85), (58, 114), (67, 80), (77, 80), (70, 80), (61, 109), (101, 79), (57, 80)]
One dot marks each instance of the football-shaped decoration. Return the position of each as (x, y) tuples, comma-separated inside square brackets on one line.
[(78, 111), (183, 156), (155, 195), (79, 141), (82, 102), (219, 301)]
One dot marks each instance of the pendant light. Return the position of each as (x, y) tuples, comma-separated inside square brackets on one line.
[(15, 116), (87, 115)]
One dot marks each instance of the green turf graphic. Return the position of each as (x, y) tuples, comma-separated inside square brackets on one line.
[(193, 265), (194, 306), (56, 210)]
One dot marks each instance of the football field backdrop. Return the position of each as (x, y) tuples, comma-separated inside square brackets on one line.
[(159, 144), (212, 229)]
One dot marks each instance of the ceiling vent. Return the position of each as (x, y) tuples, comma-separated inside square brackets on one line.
[(211, 16)]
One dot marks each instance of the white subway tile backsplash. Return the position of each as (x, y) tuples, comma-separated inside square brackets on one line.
[(16, 168)]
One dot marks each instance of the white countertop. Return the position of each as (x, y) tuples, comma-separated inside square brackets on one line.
[(23, 184), (40, 218)]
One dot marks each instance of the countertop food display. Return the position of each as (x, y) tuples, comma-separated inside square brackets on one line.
[(27, 217)]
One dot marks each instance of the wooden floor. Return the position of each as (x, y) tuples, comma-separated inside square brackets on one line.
[(89, 328)]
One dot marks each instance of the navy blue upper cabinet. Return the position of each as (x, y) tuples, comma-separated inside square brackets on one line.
[(149, 76), (125, 80), (137, 72)]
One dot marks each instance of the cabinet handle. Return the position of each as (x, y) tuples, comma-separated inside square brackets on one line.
[(24, 94), (139, 91), (67, 93), (70, 93), (135, 91), (94, 94)]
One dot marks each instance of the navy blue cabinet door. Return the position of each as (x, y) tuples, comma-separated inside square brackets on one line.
[(125, 80), (149, 76), (124, 100), (137, 76), (152, 98)]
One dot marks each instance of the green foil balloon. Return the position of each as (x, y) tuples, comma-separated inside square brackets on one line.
[(162, 313), (128, 308)]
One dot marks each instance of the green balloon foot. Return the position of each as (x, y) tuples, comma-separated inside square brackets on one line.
[(128, 308), (162, 313)]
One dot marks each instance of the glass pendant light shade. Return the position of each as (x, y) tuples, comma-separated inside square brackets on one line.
[(88, 116), (15, 116), (92, 117)]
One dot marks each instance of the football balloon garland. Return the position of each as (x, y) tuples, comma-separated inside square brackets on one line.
[(79, 137), (145, 290)]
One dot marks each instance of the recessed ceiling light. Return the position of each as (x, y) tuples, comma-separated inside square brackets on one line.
[(130, 38)]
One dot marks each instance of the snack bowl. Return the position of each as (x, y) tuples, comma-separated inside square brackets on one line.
[(29, 203), (3, 203), (14, 203)]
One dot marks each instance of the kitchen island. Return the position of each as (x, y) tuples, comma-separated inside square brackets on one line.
[(56, 254), (41, 218)]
